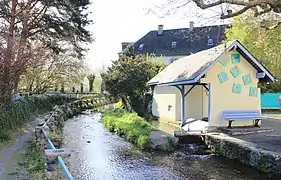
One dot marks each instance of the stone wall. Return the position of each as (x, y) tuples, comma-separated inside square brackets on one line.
[(52, 124), (245, 152)]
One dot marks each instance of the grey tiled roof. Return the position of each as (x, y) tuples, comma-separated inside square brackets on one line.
[(189, 67), (188, 41)]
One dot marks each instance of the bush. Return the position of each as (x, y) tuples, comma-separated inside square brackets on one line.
[(119, 105), (21, 111), (4, 136), (135, 129)]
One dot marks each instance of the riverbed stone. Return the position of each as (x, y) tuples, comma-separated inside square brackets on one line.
[(50, 167)]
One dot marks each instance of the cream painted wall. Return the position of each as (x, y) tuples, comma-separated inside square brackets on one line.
[(222, 97), (194, 103), (169, 95), (163, 97), (205, 102)]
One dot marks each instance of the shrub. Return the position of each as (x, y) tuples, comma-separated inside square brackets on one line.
[(4, 136), (119, 105), (135, 129)]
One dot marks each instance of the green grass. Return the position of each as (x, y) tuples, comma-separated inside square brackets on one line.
[(35, 161), (134, 128)]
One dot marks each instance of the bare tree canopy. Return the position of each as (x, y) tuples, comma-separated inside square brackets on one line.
[(225, 9), (258, 6)]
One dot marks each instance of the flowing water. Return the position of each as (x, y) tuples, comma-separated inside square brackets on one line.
[(101, 155)]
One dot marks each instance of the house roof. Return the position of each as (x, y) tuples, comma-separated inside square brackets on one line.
[(187, 41), (190, 69)]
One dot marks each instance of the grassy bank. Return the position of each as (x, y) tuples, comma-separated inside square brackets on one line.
[(34, 161), (14, 116), (129, 125)]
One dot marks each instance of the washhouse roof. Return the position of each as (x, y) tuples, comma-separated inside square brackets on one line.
[(190, 69)]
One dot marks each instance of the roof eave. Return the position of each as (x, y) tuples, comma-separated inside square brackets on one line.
[(151, 83), (185, 82)]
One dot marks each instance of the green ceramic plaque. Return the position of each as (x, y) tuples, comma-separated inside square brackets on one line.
[(235, 71), (237, 88), (235, 58), (224, 60), (222, 77), (253, 91), (247, 79)]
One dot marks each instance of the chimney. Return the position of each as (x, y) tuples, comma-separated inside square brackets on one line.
[(160, 29), (191, 25)]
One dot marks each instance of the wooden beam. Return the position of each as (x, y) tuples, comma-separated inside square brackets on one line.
[(189, 90)]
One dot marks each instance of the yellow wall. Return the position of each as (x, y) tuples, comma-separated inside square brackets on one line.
[(169, 95), (194, 103), (222, 97), (162, 98)]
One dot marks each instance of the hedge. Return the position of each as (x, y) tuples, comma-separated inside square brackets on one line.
[(23, 110)]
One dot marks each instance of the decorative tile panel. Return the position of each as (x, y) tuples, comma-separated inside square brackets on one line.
[(224, 60), (237, 88), (253, 91), (235, 71), (235, 58), (247, 79), (222, 77)]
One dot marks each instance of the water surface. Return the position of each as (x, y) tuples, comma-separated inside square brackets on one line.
[(101, 155)]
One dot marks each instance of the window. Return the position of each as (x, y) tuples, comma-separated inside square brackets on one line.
[(174, 44), (141, 46), (210, 42)]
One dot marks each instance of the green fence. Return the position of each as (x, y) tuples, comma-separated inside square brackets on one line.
[(271, 101)]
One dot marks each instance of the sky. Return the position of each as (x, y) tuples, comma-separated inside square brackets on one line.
[(117, 21)]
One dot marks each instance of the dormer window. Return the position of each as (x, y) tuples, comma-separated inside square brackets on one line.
[(174, 44), (210, 42), (141, 46)]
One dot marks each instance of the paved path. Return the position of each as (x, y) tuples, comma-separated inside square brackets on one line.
[(9, 155), (270, 140)]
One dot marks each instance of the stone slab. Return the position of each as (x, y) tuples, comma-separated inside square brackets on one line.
[(245, 130), (57, 152)]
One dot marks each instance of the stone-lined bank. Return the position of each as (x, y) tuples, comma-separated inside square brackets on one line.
[(52, 126), (245, 152)]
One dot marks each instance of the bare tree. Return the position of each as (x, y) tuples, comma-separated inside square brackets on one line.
[(225, 9)]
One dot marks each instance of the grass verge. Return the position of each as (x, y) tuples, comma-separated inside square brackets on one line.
[(35, 163), (129, 125)]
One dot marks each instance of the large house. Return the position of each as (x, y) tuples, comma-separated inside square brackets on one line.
[(173, 44)]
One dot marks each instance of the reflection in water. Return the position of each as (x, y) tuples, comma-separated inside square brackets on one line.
[(100, 155)]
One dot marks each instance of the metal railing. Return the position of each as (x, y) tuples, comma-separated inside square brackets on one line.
[(63, 167)]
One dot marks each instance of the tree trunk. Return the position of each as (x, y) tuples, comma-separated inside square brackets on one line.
[(6, 87), (91, 85)]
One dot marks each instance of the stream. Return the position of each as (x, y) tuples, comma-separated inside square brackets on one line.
[(101, 155)]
